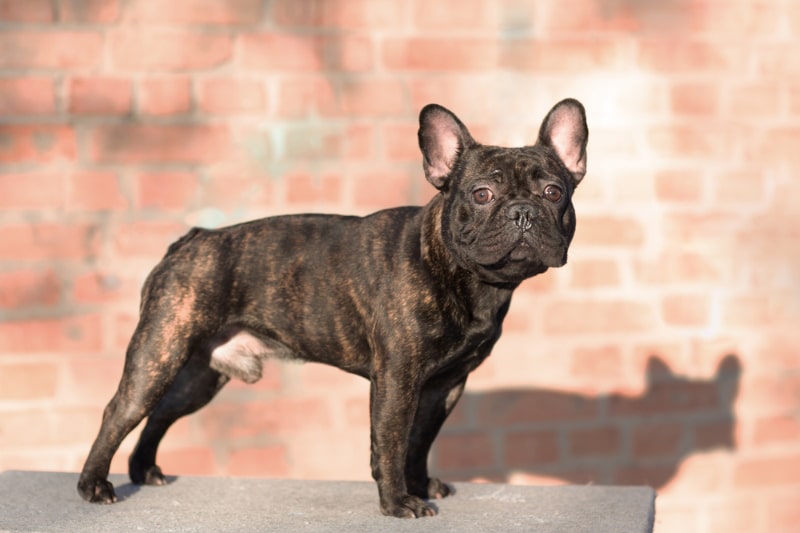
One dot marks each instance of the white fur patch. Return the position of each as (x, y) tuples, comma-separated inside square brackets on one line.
[(240, 357)]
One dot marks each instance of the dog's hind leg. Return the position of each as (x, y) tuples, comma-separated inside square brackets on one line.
[(195, 386)]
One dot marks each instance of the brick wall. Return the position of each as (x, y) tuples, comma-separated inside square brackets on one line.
[(666, 352)]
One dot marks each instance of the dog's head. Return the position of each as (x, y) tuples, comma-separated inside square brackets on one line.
[(507, 212)]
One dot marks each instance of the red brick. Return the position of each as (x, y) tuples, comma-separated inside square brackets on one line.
[(740, 187), (597, 316), (147, 238), (303, 96), (767, 471), (267, 461), (282, 52), (372, 97), (231, 95), (597, 363), (695, 99), (151, 143), (350, 53), (464, 99), (25, 143), (686, 309), (27, 96), (669, 55), (28, 381), (772, 393), (232, 191), (754, 100), (608, 231), (97, 287), (31, 191), (679, 186), (529, 449), (26, 11), (29, 288), (462, 14), (679, 268), (187, 461), (353, 142), (562, 55), (304, 189), (193, 12), (400, 142), (657, 440), (48, 241), (174, 50), (89, 11), (519, 407), (90, 380), (281, 415), (593, 273), (440, 54), (165, 96), (643, 474), (715, 434), (56, 335), (464, 451), (783, 512), (380, 190), (342, 14), (100, 96), (669, 397), (95, 191), (777, 429), (170, 191), (50, 50), (591, 442)]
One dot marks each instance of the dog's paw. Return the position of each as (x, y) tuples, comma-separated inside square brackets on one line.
[(96, 491), (438, 489), (407, 507), (432, 489), (148, 476)]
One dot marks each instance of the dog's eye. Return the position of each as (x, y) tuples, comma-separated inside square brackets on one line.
[(482, 196), (552, 193)]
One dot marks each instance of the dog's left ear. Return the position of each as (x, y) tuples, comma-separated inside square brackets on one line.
[(442, 138), (564, 129)]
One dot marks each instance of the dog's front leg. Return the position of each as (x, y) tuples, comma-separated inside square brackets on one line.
[(394, 396)]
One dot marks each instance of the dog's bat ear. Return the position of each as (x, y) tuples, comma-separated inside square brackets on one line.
[(564, 129), (442, 138)]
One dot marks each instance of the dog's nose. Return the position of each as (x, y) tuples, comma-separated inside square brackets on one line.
[(522, 214)]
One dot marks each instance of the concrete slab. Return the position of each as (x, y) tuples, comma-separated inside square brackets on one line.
[(42, 501)]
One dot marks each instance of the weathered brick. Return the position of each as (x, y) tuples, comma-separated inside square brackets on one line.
[(50, 241), (40, 143), (165, 96), (27, 96), (25, 191), (95, 191), (658, 439), (266, 461), (149, 143), (605, 441), (686, 309), (597, 316), (24, 289), (147, 238), (304, 189), (89, 11), (100, 96), (769, 471), (28, 381), (464, 451), (55, 335), (50, 50), (193, 12), (170, 191), (175, 51), (26, 11), (231, 95), (529, 449), (440, 54), (341, 14)]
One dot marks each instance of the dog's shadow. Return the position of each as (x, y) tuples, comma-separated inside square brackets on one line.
[(128, 489), (602, 439)]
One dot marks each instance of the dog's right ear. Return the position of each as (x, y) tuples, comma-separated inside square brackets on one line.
[(442, 138)]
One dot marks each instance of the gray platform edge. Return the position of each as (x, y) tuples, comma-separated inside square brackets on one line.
[(49, 502)]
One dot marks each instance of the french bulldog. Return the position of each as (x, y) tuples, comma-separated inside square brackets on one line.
[(410, 298)]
